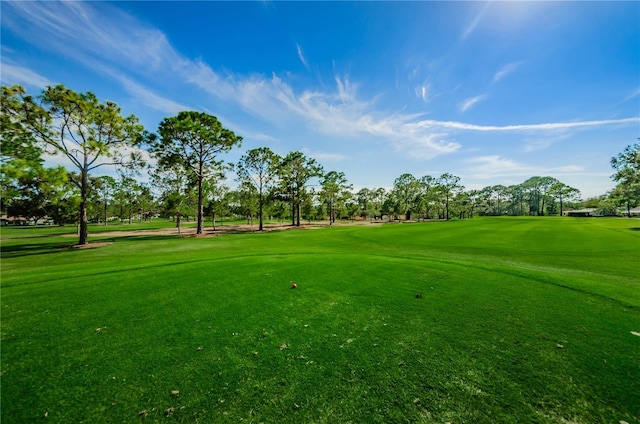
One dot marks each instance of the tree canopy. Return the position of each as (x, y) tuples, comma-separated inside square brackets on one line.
[(259, 168), (89, 133), (627, 167), (295, 171), (335, 192), (192, 141)]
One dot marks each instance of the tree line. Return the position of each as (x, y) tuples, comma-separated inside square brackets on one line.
[(188, 179)]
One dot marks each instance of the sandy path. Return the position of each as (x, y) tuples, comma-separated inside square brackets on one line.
[(190, 231)]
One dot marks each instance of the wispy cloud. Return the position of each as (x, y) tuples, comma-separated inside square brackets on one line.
[(551, 126), (258, 136), (467, 104), (474, 22), (246, 133), (150, 99), (301, 56), (632, 95), (14, 74), (532, 144), (484, 167), (323, 156), (488, 167), (94, 33), (414, 72), (346, 90), (506, 70), (423, 91)]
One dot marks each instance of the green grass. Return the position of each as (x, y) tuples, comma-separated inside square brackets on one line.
[(215, 319)]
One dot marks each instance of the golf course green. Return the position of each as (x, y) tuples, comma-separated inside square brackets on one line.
[(512, 320)]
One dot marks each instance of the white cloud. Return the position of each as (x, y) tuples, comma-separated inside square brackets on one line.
[(143, 154), (301, 56), (467, 104), (346, 91), (633, 94), (423, 91), (551, 126), (329, 114), (414, 72), (506, 70), (52, 159), (488, 167), (150, 99), (258, 136), (492, 166), (323, 156), (427, 146), (93, 32), (541, 143), (474, 22), (103, 166), (14, 74)]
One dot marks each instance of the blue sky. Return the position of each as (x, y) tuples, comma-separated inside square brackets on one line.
[(494, 92)]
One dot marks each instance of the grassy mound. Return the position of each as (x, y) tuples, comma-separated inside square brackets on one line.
[(519, 320)]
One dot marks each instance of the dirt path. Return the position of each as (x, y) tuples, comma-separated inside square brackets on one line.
[(190, 231)]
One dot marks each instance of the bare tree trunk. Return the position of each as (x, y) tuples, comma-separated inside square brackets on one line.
[(200, 201), (260, 206), (83, 228), (447, 208)]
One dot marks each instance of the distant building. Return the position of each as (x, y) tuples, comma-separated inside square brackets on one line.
[(21, 221), (582, 212), (632, 212), (12, 220), (589, 212)]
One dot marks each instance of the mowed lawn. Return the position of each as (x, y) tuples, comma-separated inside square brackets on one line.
[(520, 320)]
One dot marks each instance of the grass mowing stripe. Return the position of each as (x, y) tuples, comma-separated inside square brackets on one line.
[(601, 284)]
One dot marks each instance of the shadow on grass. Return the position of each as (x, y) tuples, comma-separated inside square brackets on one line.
[(30, 249), (35, 236), (635, 228), (129, 239), (33, 232)]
